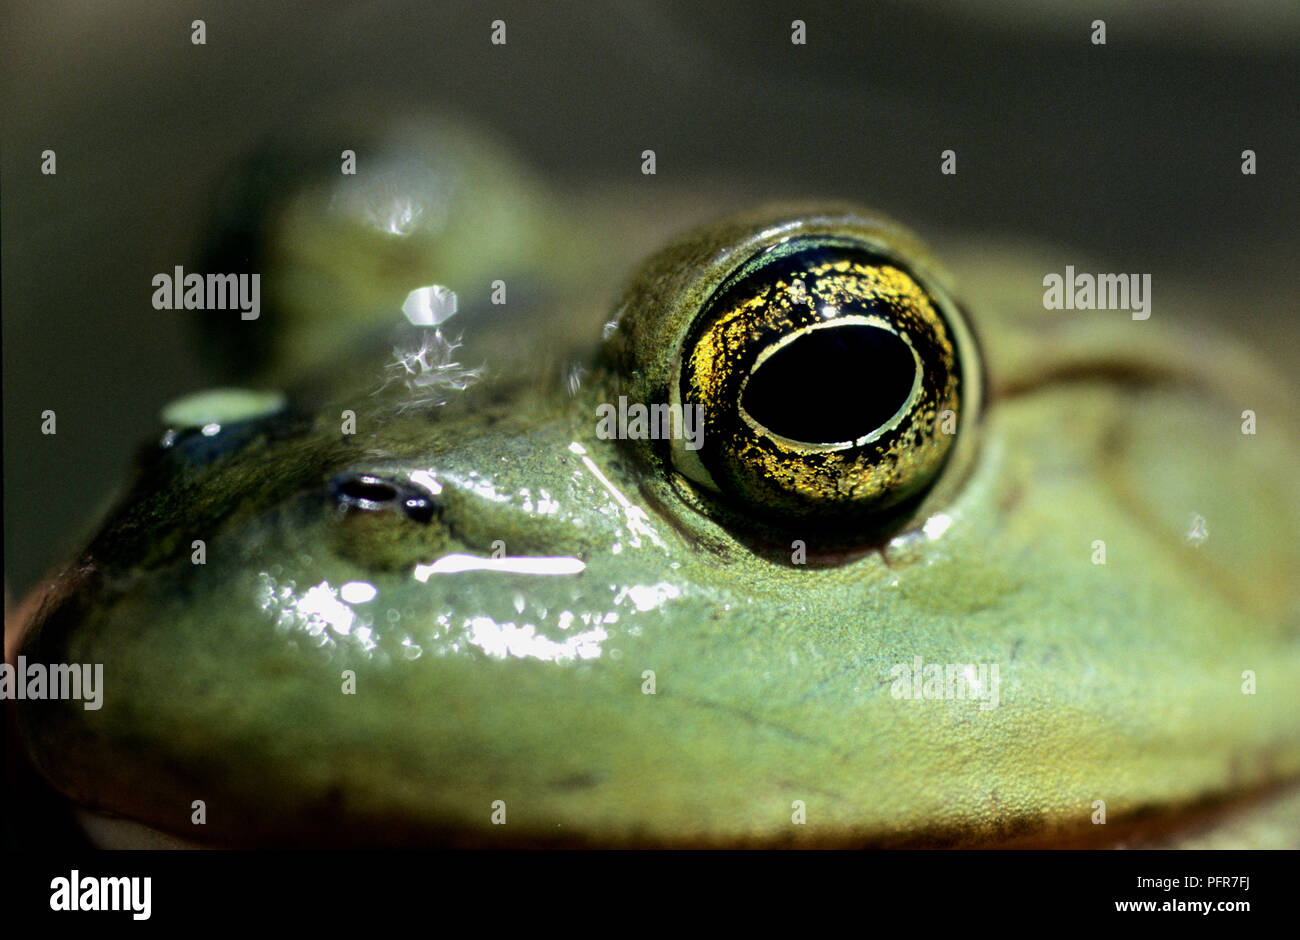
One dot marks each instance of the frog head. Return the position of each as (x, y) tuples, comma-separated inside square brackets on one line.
[(856, 578)]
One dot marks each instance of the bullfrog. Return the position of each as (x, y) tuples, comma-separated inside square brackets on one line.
[(792, 536)]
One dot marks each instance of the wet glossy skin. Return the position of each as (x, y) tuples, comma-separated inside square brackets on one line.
[(1119, 682)]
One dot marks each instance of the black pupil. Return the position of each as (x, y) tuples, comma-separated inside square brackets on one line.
[(832, 385)]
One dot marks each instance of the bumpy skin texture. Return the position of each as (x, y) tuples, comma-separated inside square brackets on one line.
[(1119, 682)]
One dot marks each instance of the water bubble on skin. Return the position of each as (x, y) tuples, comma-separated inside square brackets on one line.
[(394, 615), (430, 306), (396, 198), (428, 370), (213, 407)]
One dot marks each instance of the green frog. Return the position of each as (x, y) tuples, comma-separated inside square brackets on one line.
[(798, 537)]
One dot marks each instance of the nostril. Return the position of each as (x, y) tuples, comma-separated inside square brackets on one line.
[(419, 508), (374, 493), (365, 489)]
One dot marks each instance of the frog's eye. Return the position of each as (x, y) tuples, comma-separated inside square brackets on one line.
[(828, 381), (813, 366)]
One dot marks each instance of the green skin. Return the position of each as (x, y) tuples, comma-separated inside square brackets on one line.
[(1120, 682)]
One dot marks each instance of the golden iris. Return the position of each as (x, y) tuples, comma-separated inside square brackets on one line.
[(829, 380)]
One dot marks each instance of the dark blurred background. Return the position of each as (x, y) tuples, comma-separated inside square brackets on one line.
[(1128, 152)]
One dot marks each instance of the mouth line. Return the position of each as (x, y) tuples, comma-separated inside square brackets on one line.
[(1225, 822)]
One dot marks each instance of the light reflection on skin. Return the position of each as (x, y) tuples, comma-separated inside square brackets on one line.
[(335, 616), (545, 506), (523, 641), (637, 519), (358, 592), (321, 604), (524, 564), (932, 530), (500, 640), (427, 480), (319, 612), (936, 525), (648, 596)]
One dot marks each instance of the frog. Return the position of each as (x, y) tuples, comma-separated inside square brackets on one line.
[(935, 565)]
